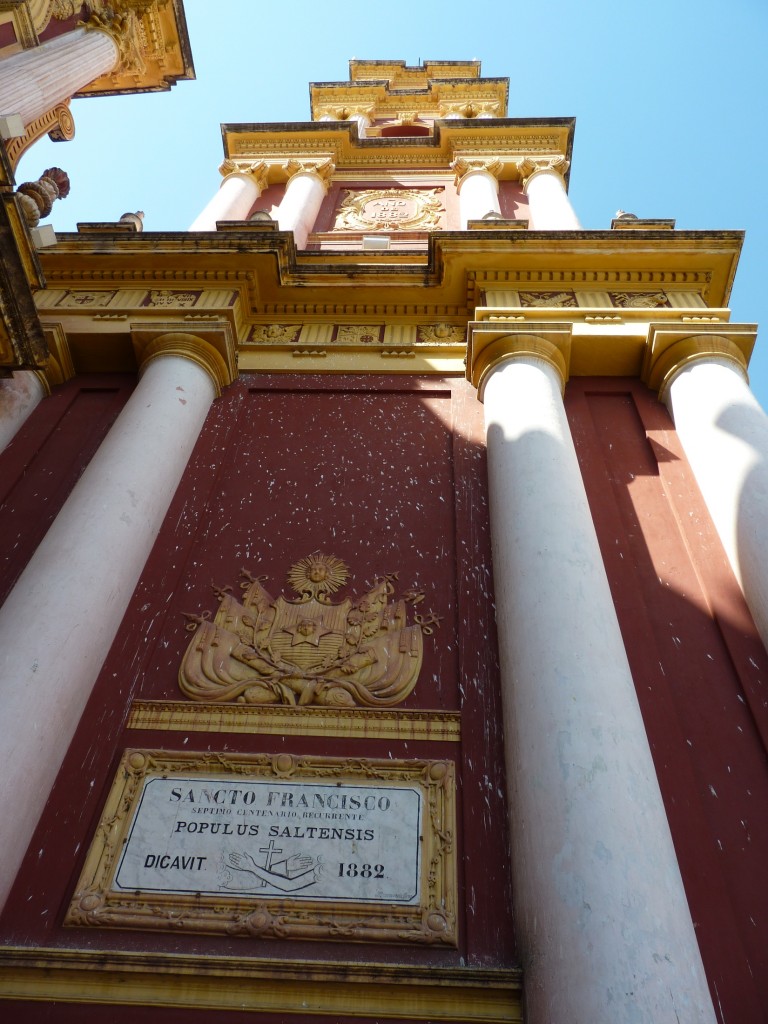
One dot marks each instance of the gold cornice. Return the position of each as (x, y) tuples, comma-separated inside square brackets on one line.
[(511, 140), (457, 261), (99, 285), (387, 86), (492, 344), (156, 52), (279, 986), (670, 349)]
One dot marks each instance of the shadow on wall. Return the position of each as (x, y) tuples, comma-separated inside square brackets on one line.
[(700, 671)]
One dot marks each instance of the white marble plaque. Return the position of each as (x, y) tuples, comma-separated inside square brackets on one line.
[(277, 846), (274, 839)]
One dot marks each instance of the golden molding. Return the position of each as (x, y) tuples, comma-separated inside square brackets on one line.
[(340, 723), (352, 911), (339, 989)]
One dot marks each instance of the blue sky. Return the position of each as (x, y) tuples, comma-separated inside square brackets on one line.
[(670, 100)]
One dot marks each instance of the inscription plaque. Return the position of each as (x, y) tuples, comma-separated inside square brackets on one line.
[(277, 845), (318, 842)]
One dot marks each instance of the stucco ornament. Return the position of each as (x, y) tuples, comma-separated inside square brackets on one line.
[(389, 209), (308, 651)]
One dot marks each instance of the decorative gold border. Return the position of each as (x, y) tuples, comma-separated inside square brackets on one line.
[(94, 904), (471, 995), (340, 723)]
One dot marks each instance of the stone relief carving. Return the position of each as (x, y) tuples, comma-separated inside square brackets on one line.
[(441, 334), (161, 297), (639, 300), (350, 334), (548, 299), (275, 334), (309, 651), (389, 209)]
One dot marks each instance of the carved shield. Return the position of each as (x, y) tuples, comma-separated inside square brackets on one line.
[(308, 634)]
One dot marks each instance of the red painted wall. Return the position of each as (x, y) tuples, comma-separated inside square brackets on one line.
[(45, 460), (387, 473), (700, 672)]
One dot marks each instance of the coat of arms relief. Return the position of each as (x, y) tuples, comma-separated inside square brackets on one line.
[(360, 652)]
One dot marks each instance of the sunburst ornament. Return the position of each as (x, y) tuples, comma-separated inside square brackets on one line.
[(317, 576)]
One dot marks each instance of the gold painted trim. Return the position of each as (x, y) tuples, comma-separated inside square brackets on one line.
[(351, 989), (353, 360), (340, 723)]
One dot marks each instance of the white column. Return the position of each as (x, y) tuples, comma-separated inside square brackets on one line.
[(724, 432), (478, 194), (33, 81), (303, 198), (363, 123), (19, 396), (601, 917), (234, 200), (548, 202), (60, 619)]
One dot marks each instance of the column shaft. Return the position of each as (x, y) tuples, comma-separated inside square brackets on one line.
[(233, 201), (60, 619), (19, 396), (478, 195), (549, 205), (724, 432), (601, 916), (33, 81), (301, 205)]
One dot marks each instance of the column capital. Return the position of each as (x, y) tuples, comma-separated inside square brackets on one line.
[(121, 24), (491, 344), (671, 348), (531, 166), (200, 348), (257, 172), (344, 111), (321, 169), (466, 109), (464, 166)]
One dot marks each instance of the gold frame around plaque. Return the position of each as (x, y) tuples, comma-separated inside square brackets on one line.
[(433, 920)]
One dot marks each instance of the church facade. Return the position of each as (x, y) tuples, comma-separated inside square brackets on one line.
[(384, 607)]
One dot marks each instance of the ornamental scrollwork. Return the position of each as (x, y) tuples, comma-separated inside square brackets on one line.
[(390, 209)]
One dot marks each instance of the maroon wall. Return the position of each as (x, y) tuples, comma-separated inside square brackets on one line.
[(44, 461), (387, 473), (699, 669)]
